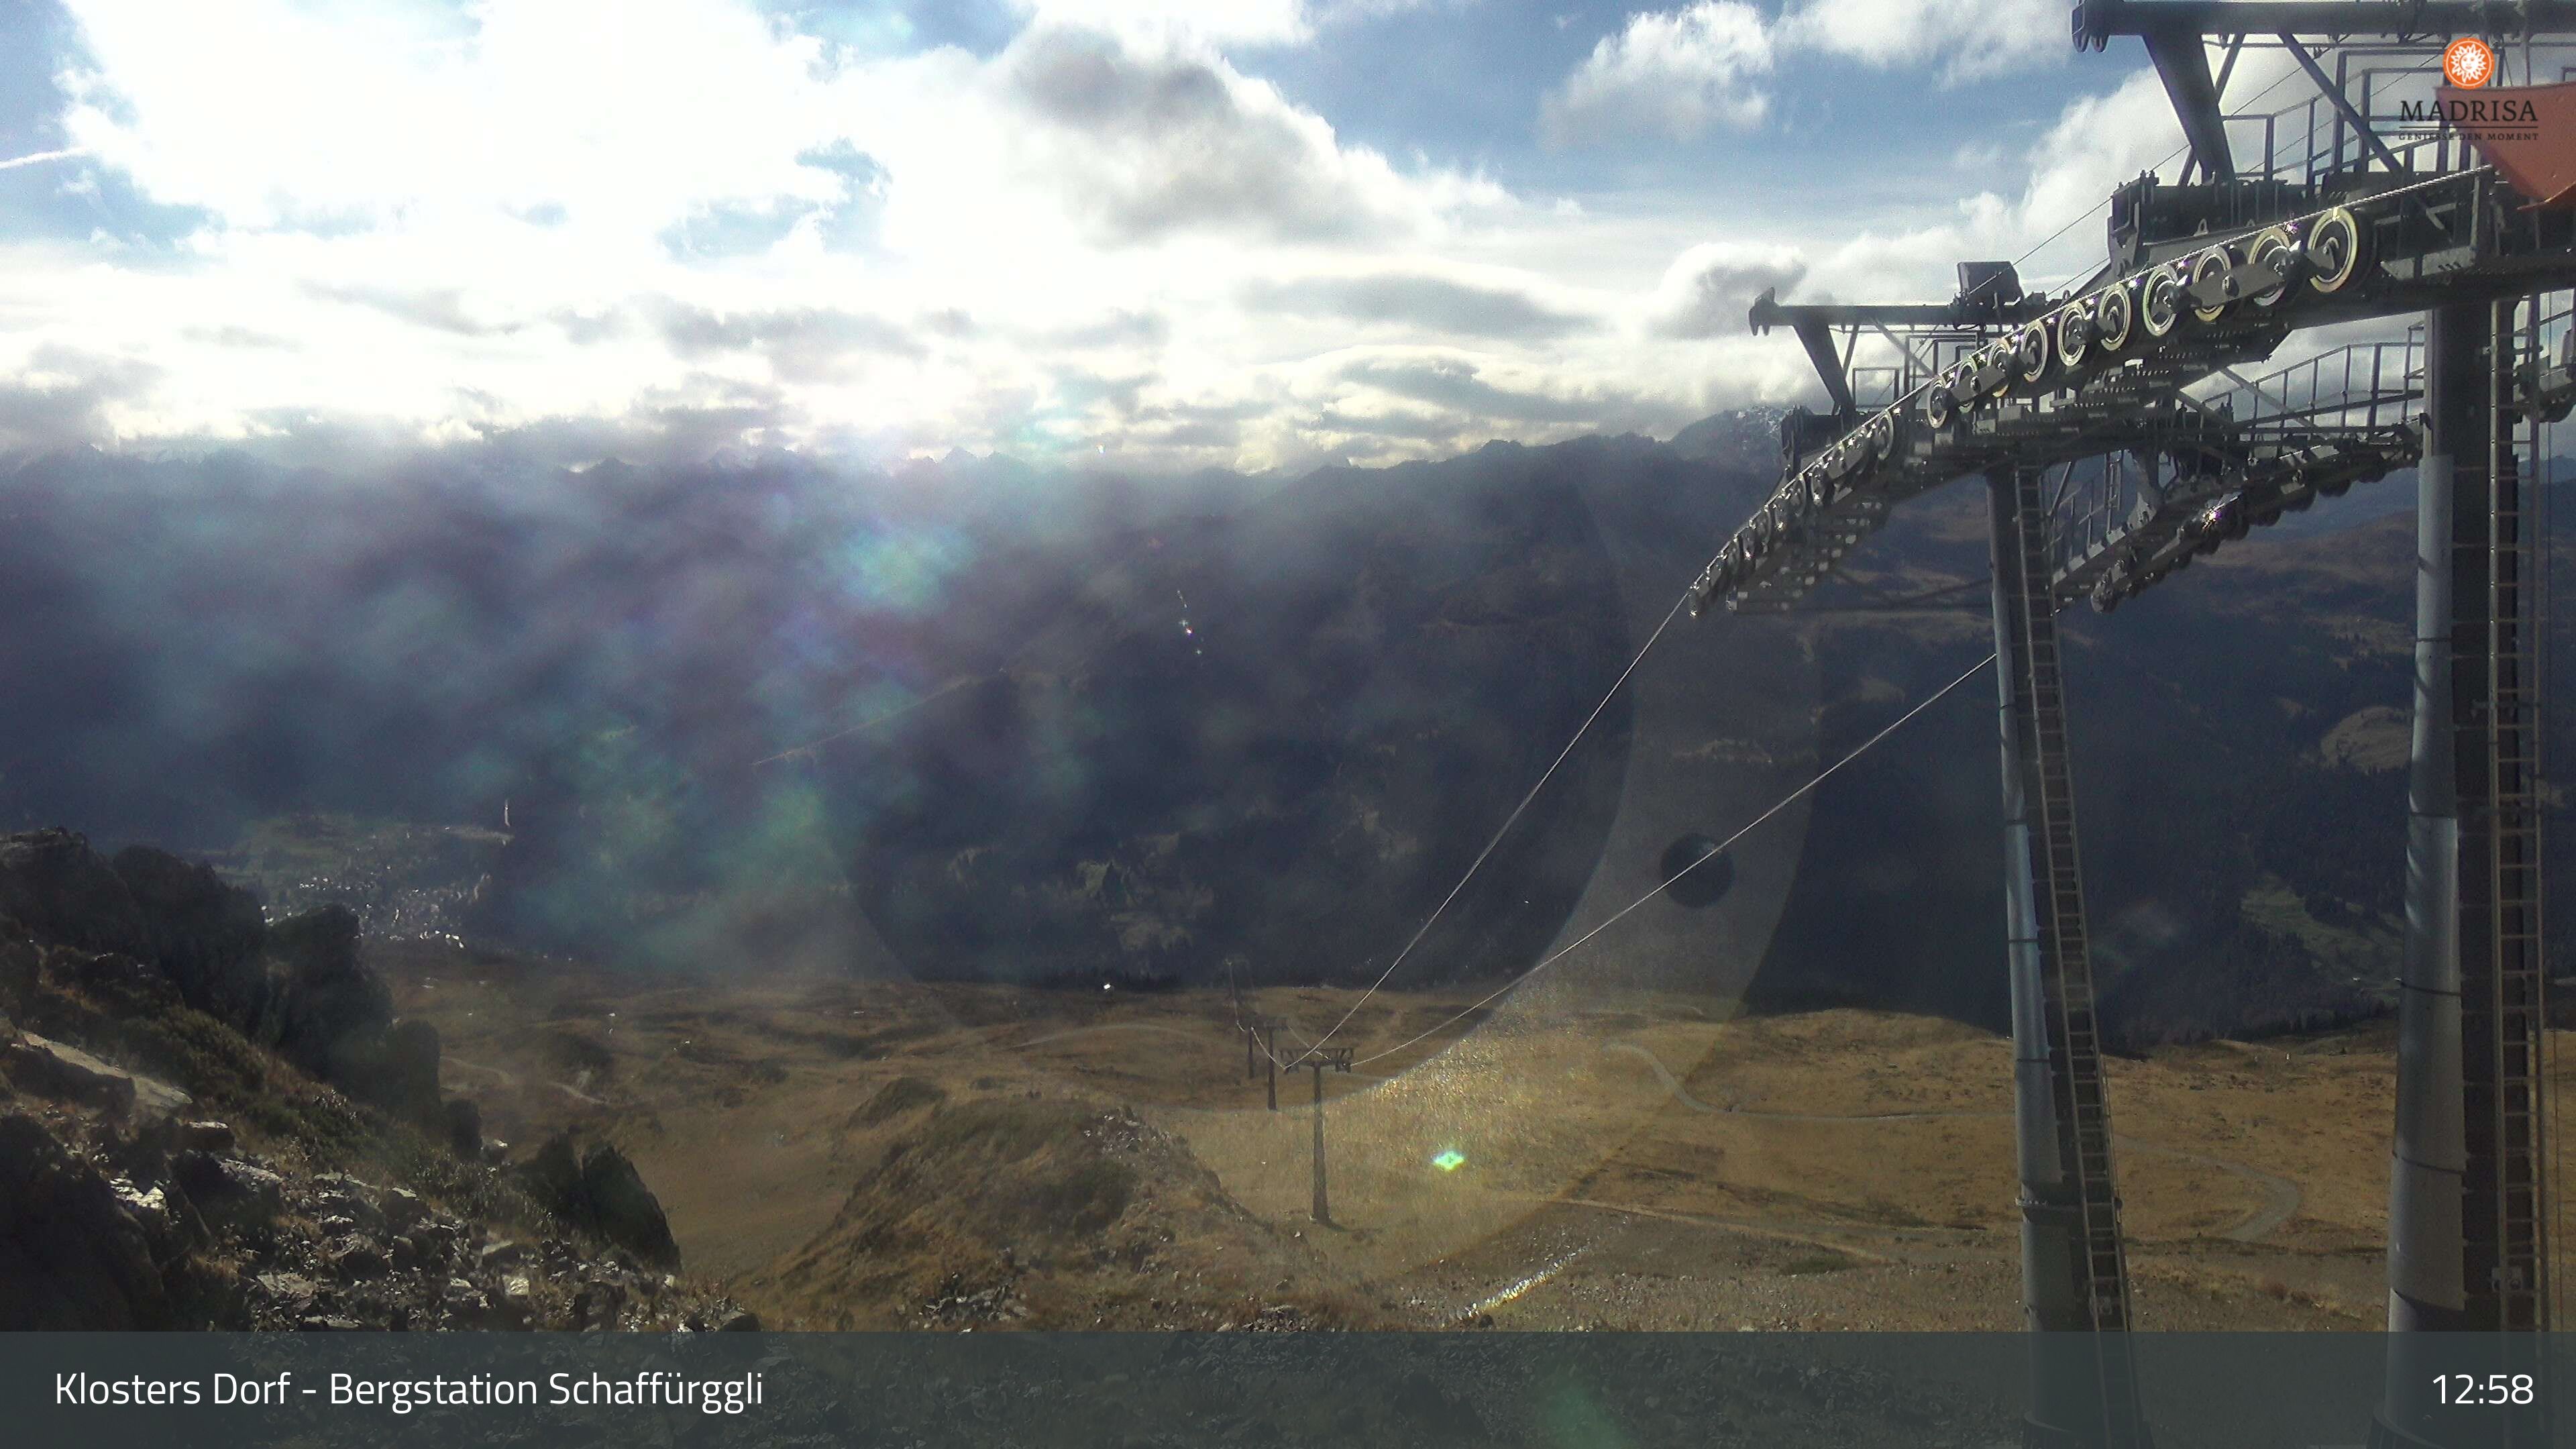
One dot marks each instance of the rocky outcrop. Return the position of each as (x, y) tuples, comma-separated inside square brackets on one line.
[(206, 936), (59, 889), (127, 1204), (229, 1191), (66, 1073), (336, 1018), (331, 997), (599, 1192), (154, 930), (71, 1255), (106, 1230)]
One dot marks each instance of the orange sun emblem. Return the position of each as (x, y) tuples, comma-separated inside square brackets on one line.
[(2468, 63)]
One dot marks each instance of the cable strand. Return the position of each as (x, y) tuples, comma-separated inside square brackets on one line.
[(1508, 821), (1758, 821)]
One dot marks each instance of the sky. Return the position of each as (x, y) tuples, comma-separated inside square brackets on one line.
[(1259, 235)]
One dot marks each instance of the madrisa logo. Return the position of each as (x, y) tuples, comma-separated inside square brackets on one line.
[(2468, 63), (2464, 110), (2464, 105), (2491, 117)]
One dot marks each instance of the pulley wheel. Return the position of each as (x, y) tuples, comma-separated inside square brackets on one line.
[(2033, 356), (2160, 302), (2212, 263), (2275, 246), (2074, 333), (2335, 245), (2006, 360), (2114, 313)]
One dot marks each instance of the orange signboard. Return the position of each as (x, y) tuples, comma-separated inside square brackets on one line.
[(2528, 133)]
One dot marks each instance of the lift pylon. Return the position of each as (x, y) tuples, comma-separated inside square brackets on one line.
[(2202, 276), (2074, 1270)]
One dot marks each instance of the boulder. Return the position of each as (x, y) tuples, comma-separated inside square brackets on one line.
[(228, 1190), (120, 983), (599, 1192), (41, 1069), (353, 1258), (292, 1292), (149, 1207), (206, 1136), (336, 1017), (53, 1069), (71, 1257), (203, 934), (59, 889), (401, 1208), (342, 1196), (597, 1305), (329, 995)]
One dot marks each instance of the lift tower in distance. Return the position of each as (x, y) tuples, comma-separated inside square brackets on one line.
[(2118, 441)]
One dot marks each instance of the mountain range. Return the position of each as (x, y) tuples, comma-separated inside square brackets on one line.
[(973, 720)]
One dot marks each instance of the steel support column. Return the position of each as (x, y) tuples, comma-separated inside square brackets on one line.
[(1323, 1208), (2074, 1281), (2463, 1192)]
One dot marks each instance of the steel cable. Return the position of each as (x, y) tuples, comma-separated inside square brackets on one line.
[(1785, 802)]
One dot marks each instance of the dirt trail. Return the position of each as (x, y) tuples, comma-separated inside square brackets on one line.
[(508, 1078)]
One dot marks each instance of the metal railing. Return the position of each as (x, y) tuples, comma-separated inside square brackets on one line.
[(1919, 359), (2311, 141), (2097, 503), (2361, 385), (2091, 504)]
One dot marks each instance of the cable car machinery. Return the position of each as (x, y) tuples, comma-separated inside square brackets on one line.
[(2127, 385)]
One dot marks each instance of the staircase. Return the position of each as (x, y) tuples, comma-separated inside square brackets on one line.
[(2511, 1013), (2066, 972)]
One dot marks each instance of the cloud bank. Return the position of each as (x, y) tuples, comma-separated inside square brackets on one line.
[(1127, 234)]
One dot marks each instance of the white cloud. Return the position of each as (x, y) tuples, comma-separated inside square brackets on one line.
[(1207, 23), (1967, 39), (1243, 22), (1678, 74), (681, 223), (1141, 145), (1708, 289), (40, 157), (2055, 213), (269, 113), (586, 221)]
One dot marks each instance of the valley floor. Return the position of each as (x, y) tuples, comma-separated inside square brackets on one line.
[(905, 1155)]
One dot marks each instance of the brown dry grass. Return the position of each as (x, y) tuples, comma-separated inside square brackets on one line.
[(836, 1146)]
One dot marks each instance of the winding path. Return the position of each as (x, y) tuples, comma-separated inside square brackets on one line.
[(510, 1079)]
